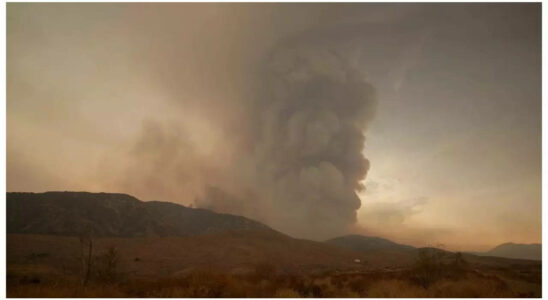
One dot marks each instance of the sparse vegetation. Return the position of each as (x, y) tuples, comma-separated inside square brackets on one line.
[(86, 255), (203, 283), (113, 263), (433, 265), (35, 257), (107, 265), (428, 267)]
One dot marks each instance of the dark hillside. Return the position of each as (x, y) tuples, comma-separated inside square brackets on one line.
[(114, 215)]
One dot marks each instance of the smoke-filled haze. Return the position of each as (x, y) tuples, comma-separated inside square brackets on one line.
[(419, 123)]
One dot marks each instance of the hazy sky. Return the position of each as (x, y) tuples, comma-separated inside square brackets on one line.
[(262, 110)]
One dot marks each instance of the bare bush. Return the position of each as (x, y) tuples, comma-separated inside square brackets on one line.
[(86, 255), (265, 270), (107, 265), (428, 267), (458, 266)]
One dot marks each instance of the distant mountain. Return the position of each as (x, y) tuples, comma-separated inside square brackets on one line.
[(363, 243), (521, 251), (114, 215)]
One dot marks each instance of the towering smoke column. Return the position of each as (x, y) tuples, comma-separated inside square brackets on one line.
[(306, 161)]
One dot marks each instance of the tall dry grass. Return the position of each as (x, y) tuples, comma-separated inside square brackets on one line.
[(214, 284)]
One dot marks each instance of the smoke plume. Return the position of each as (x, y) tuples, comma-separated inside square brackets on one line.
[(252, 109), (304, 161)]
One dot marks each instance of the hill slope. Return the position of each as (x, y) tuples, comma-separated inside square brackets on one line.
[(238, 251), (521, 251), (363, 243), (377, 250), (114, 215)]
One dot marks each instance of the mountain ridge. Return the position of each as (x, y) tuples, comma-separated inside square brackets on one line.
[(116, 215), (122, 215), (365, 243), (515, 250)]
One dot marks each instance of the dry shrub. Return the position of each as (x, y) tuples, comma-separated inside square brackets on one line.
[(65, 290), (470, 288), (205, 284), (211, 284), (395, 288), (358, 285), (428, 267), (221, 285), (346, 293), (107, 266), (286, 293), (433, 265), (196, 284), (264, 271), (338, 281)]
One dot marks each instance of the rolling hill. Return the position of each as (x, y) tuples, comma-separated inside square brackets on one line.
[(368, 243), (378, 250), (114, 215), (166, 238), (520, 251)]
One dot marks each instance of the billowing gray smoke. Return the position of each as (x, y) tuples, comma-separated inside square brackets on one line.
[(304, 161), (253, 109)]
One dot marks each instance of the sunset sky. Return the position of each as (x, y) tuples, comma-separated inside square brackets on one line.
[(237, 107)]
